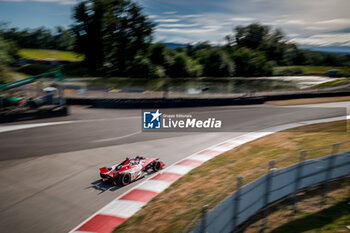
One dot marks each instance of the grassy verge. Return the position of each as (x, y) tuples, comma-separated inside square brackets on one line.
[(312, 216), (175, 208), (333, 83), (309, 100), (18, 75), (11, 76), (332, 219), (344, 71), (50, 54)]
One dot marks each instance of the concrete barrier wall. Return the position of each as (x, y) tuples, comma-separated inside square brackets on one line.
[(249, 199), (193, 102), (56, 111)]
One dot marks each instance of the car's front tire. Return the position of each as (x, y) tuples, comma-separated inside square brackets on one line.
[(156, 166)]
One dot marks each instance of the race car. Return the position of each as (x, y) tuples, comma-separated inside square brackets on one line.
[(130, 170)]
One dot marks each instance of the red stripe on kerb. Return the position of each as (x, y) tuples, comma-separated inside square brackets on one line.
[(139, 195), (191, 163), (101, 224), (165, 176), (209, 152)]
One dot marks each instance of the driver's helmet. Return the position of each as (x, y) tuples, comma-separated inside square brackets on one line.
[(132, 161)]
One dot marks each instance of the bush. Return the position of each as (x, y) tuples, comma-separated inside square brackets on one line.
[(5, 76), (141, 67), (287, 71), (195, 69), (159, 72), (6, 57), (251, 63), (218, 64), (179, 66), (182, 65)]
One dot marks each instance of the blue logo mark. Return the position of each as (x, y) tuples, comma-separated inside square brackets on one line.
[(151, 120)]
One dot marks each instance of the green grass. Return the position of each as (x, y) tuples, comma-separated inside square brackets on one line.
[(173, 209), (50, 54), (333, 83), (17, 75), (332, 219), (317, 69)]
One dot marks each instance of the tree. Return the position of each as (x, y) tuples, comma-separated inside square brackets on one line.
[(216, 63), (39, 38), (111, 33), (251, 36), (271, 42), (141, 67), (274, 45), (157, 54), (291, 55), (251, 63), (181, 65), (6, 57), (88, 30), (64, 39)]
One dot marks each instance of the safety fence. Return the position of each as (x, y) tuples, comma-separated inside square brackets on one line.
[(276, 184)]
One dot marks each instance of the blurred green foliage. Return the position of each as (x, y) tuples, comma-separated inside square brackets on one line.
[(40, 38), (50, 54), (113, 34), (115, 37), (287, 71), (8, 53)]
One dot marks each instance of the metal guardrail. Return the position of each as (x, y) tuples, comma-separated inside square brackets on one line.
[(275, 185)]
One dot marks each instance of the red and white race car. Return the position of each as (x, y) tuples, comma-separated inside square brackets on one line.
[(130, 170)]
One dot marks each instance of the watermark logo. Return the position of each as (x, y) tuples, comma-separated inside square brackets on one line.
[(227, 119), (152, 120), (169, 120)]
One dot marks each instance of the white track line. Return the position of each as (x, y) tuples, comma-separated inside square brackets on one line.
[(28, 126), (116, 138)]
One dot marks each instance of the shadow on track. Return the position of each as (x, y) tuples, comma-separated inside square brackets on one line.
[(109, 186), (103, 186)]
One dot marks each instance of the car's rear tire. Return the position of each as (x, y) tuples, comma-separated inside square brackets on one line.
[(156, 166), (125, 179)]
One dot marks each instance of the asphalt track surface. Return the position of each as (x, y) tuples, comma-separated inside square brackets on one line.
[(49, 174)]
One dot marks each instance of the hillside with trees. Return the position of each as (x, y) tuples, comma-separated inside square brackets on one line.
[(115, 37)]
